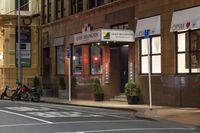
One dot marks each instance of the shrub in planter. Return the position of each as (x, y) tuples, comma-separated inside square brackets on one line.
[(62, 91), (98, 91), (132, 92)]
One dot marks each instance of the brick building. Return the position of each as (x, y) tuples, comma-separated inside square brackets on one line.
[(101, 34)]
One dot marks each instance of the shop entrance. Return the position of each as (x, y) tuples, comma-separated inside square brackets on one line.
[(119, 66)]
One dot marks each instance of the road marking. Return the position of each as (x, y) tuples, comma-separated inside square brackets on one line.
[(73, 122), (24, 108), (132, 129), (26, 116), (71, 114)]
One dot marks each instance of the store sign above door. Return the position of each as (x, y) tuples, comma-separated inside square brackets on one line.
[(117, 35), (108, 35)]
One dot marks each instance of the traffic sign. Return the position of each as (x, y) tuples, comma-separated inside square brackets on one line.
[(68, 52), (146, 33)]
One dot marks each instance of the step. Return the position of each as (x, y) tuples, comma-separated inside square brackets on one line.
[(118, 99)]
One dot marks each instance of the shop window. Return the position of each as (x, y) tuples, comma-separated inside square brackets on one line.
[(60, 60), (76, 6), (188, 52), (96, 59), (77, 60), (59, 9), (95, 3), (24, 5), (155, 55)]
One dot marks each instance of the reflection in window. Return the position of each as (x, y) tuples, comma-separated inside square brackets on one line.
[(60, 59), (188, 52), (77, 60), (96, 59), (155, 55)]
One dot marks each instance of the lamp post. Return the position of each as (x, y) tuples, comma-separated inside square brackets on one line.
[(19, 44)]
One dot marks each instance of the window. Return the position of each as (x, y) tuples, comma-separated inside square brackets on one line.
[(76, 6), (59, 9), (60, 60), (155, 55), (46, 11), (188, 52), (96, 59), (77, 60), (95, 3), (24, 5), (120, 26)]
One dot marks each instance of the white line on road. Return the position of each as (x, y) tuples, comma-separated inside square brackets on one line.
[(132, 129), (26, 116), (73, 122)]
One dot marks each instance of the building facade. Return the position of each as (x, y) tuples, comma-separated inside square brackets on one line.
[(29, 25), (98, 34)]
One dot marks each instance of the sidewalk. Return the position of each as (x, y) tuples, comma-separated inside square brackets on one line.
[(181, 115)]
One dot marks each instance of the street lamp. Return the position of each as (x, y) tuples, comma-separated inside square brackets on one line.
[(19, 44)]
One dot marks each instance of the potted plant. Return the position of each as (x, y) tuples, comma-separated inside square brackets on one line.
[(98, 91), (132, 92), (62, 91)]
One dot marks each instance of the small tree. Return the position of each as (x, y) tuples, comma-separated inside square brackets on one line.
[(131, 89), (97, 86)]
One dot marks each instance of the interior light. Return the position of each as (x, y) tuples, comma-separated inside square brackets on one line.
[(74, 57)]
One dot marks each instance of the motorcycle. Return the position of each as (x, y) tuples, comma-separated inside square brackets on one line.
[(26, 94)]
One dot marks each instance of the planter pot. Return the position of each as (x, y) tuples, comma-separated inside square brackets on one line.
[(47, 93), (63, 93), (99, 97), (133, 99)]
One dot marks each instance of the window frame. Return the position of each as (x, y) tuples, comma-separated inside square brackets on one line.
[(74, 73), (75, 6), (63, 47), (151, 55), (59, 11), (90, 59), (24, 5), (189, 52)]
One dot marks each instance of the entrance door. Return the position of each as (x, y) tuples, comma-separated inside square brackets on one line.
[(123, 66), (119, 67), (46, 62)]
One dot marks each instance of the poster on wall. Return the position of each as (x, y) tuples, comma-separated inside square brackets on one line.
[(25, 46)]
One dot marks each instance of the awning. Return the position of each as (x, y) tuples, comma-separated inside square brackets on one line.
[(151, 23), (106, 35), (59, 41), (186, 19)]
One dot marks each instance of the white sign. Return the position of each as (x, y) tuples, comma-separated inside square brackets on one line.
[(87, 37), (151, 23), (186, 19), (117, 35)]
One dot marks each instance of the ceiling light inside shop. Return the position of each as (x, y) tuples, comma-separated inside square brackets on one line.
[(74, 57)]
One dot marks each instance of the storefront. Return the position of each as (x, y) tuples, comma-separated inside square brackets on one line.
[(103, 54)]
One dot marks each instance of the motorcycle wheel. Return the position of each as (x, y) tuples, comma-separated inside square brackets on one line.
[(24, 96), (35, 97)]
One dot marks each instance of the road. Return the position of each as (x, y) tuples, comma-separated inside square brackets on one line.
[(27, 117)]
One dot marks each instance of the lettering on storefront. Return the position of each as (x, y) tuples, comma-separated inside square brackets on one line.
[(178, 27)]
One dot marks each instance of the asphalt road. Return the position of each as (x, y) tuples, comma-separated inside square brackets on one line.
[(27, 117)]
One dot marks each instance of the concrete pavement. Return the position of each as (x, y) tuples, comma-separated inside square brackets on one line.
[(181, 115)]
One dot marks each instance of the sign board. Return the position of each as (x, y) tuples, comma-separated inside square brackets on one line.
[(146, 33), (68, 52), (88, 37), (117, 35), (25, 46), (186, 19), (151, 23)]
